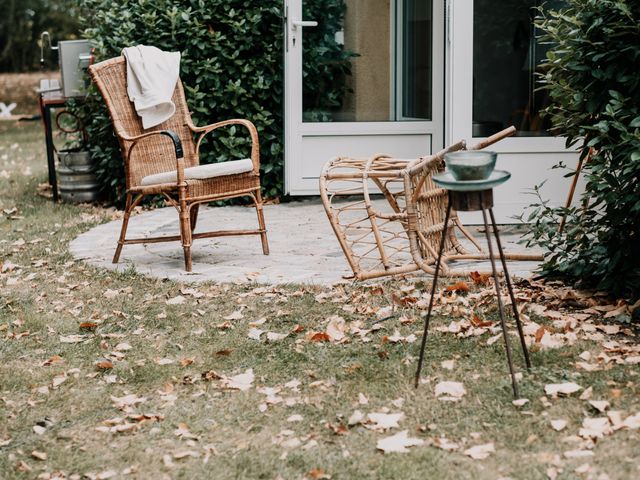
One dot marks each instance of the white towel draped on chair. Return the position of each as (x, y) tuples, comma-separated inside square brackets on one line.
[(151, 79)]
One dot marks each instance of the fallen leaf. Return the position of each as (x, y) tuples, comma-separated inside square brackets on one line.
[(356, 417), (600, 405), (255, 333), (164, 361), (448, 364), (39, 455), (104, 365), (318, 474), (450, 391), (276, 337), (127, 401), (88, 325), (383, 421), (520, 402), (240, 382), (596, 427), (458, 287), (480, 452), (566, 388), (558, 425), (632, 422), (399, 443), (336, 328), (177, 300), (479, 278), (578, 454), (318, 337), (72, 338), (237, 315), (185, 362)]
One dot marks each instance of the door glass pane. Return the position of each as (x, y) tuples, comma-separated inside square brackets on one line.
[(416, 49), (506, 58), (367, 60)]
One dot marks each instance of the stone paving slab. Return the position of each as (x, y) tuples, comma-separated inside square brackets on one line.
[(303, 247)]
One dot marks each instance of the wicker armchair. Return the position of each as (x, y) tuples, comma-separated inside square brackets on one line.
[(165, 160)]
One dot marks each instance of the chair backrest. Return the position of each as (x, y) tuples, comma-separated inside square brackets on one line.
[(154, 154)]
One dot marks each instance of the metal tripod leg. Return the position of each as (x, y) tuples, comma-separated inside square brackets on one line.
[(500, 307), (433, 291), (516, 315)]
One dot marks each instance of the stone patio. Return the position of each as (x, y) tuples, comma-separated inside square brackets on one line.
[(303, 247)]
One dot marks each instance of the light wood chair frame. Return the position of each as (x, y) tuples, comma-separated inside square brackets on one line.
[(173, 145), (418, 208)]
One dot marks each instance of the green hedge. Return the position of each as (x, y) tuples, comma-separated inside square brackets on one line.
[(593, 78), (232, 66)]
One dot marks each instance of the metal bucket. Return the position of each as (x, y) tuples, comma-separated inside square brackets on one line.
[(77, 180)]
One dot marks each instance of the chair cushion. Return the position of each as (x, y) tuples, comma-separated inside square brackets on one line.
[(201, 172)]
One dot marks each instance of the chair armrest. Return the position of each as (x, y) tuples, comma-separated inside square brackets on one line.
[(253, 132), (177, 146)]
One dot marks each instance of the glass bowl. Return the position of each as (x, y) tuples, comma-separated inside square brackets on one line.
[(470, 165)]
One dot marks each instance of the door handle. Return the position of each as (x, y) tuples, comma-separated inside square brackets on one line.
[(295, 24)]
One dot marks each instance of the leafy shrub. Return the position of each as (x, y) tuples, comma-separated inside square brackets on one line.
[(232, 66), (593, 80)]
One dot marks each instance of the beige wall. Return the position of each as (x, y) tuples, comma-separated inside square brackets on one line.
[(368, 33)]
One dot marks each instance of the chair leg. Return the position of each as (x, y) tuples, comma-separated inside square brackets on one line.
[(129, 206), (193, 216), (185, 230), (263, 229)]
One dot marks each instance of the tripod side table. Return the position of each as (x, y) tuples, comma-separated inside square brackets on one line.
[(469, 196)]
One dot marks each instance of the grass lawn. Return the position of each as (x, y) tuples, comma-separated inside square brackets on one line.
[(107, 375)]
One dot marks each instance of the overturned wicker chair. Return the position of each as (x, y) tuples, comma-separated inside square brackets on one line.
[(402, 235), (165, 160)]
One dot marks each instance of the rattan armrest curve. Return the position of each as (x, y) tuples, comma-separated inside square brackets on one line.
[(248, 124), (177, 148)]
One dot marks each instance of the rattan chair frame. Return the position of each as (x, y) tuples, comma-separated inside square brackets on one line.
[(417, 211), (173, 146)]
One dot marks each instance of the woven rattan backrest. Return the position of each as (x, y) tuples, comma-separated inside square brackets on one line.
[(431, 206), (154, 154)]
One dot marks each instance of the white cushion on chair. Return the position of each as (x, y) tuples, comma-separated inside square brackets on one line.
[(201, 172)]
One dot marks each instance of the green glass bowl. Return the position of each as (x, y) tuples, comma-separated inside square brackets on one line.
[(470, 165)]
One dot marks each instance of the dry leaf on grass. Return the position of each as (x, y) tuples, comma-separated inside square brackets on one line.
[(127, 401), (448, 364), (276, 337), (566, 388), (336, 328), (458, 287), (399, 443), (480, 452), (558, 425), (237, 315), (240, 382), (383, 421), (255, 333), (72, 338), (596, 427), (39, 455), (445, 444), (632, 422), (578, 454), (600, 405), (177, 300), (450, 391)]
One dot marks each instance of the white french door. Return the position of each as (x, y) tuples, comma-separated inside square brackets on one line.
[(494, 57), (360, 80)]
